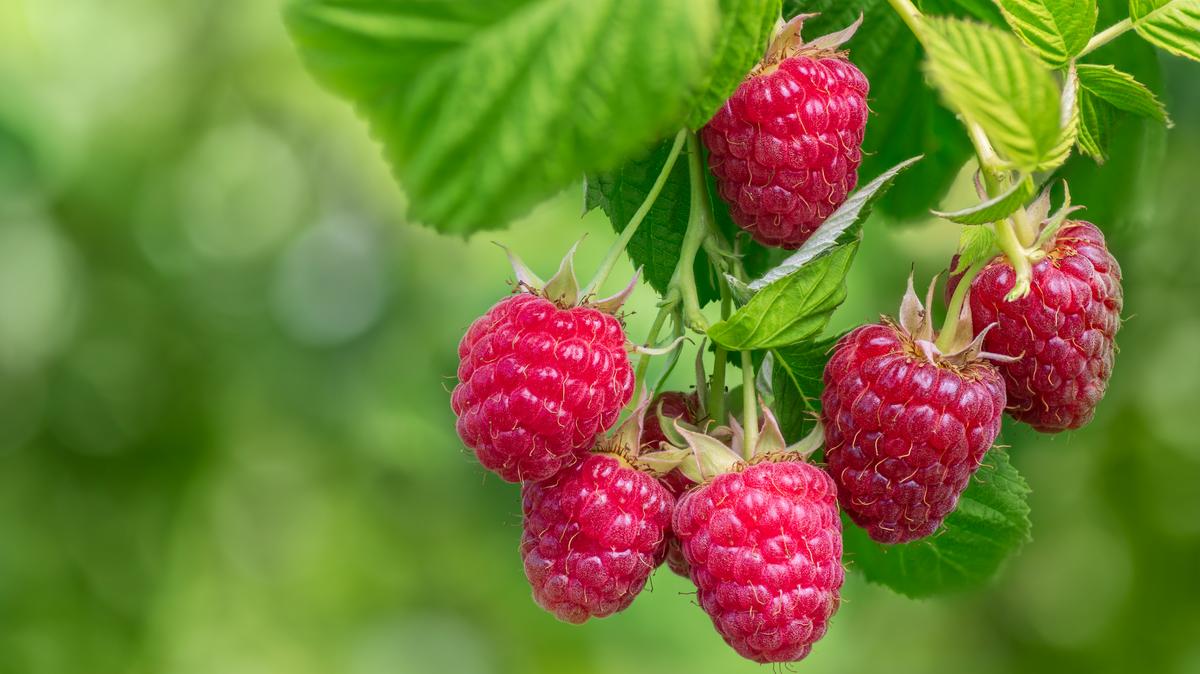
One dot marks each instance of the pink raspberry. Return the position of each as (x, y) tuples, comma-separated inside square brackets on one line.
[(765, 550), (786, 147), (1063, 331), (592, 536), (538, 383), (674, 405)]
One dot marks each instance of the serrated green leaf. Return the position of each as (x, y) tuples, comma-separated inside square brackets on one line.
[(1173, 25), (989, 526), (1055, 30), (976, 244), (1121, 91), (656, 244), (486, 108), (906, 118), (996, 208), (1068, 130), (794, 308), (842, 225), (797, 383), (992, 80), (1095, 125), (746, 28)]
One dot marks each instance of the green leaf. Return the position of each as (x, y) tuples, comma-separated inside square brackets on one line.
[(656, 244), (996, 208), (992, 80), (842, 225), (976, 244), (990, 524), (486, 108), (797, 383), (1057, 30), (1173, 25), (792, 309), (746, 28), (1121, 91), (1095, 126)]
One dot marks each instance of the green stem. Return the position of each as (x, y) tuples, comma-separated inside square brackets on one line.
[(1025, 230), (1105, 36), (614, 253), (683, 281), (909, 13), (995, 178), (716, 383), (651, 338), (1007, 239), (945, 340), (749, 406)]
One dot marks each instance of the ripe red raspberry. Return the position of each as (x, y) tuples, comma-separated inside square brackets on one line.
[(904, 431), (1063, 331), (786, 147), (765, 550), (592, 536), (538, 383)]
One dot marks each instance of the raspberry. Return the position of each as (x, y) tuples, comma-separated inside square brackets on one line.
[(674, 405), (538, 383), (1063, 330), (786, 147), (765, 550), (904, 432), (592, 536)]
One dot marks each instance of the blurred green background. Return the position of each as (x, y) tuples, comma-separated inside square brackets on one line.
[(225, 435)]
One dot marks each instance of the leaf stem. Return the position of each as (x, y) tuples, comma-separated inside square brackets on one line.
[(749, 406), (716, 383), (651, 338), (910, 14), (945, 340), (683, 281), (614, 253), (1105, 36), (1008, 242)]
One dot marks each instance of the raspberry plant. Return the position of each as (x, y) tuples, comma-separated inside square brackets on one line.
[(724, 140)]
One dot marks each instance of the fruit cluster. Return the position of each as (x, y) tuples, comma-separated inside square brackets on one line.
[(907, 416)]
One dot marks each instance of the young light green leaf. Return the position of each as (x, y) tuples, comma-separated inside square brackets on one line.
[(996, 208), (992, 80), (792, 309), (1121, 91), (1173, 25), (485, 109), (1056, 30), (976, 244), (746, 27), (989, 526), (842, 224)]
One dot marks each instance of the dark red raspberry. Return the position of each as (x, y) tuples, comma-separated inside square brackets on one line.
[(765, 550), (786, 147), (1063, 330), (592, 536), (538, 383), (904, 432)]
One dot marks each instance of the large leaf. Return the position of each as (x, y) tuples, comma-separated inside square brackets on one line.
[(1121, 90), (794, 308), (990, 524), (746, 27), (656, 244), (485, 108), (1173, 25), (1057, 30), (992, 80), (797, 383), (1095, 126)]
